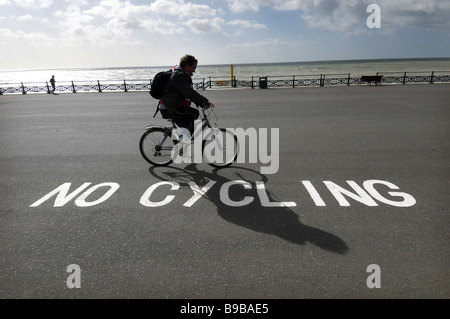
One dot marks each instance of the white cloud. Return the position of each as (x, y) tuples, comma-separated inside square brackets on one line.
[(27, 17), (118, 9), (350, 15), (181, 9), (124, 17), (73, 16), (246, 24), (42, 4), (206, 25), (250, 30), (256, 45), (161, 26), (5, 2), (30, 38), (431, 14), (239, 6), (109, 22)]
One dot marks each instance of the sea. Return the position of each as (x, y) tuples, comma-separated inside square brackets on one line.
[(355, 68)]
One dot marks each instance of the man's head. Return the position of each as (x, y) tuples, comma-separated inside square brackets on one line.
[(188, 63)]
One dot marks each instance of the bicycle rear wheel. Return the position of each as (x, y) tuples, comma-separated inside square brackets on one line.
[(156, 146), (220, 147)]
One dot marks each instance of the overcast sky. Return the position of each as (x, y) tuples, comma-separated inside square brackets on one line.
[(106, 33)]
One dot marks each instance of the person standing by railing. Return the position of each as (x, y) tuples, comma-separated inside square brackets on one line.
[(53, 83)]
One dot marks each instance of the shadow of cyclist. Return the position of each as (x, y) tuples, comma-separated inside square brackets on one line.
[(279, 221)]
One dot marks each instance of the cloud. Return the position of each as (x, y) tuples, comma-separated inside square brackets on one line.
[(206, 25), (27, 17), (181, 9), (109, 22), (5, 2), (131, 22), (73, 16), (42, 4), (239, 6), (430, 15), (160, 17), (31, 38), (256, 45), (118, 11), (350, 15), (246, 24)]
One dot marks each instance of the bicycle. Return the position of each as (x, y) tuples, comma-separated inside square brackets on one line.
[(158, 142)]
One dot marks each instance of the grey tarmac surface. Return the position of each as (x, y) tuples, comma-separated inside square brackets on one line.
[(396, 134)]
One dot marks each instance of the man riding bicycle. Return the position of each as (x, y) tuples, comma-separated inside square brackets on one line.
[(179, 93)]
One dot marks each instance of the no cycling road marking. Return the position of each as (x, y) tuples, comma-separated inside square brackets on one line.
[(367, 194)]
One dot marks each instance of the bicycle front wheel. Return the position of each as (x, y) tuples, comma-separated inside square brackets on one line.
[(156, 146), (220, 147)]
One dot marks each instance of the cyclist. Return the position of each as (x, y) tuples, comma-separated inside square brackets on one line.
[(179, 94)]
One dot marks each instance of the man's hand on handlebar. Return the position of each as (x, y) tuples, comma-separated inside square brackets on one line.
[(209, 105)]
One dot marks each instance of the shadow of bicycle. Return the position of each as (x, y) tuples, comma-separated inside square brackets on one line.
[(282, 222)]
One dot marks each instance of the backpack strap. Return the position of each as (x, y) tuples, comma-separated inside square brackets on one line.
[(157, 109)]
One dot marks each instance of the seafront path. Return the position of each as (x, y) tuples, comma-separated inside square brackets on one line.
[(357, 209)]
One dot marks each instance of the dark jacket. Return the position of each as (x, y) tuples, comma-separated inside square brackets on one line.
[(180, 88)]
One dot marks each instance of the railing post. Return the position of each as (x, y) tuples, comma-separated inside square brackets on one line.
[(252, 83), (348, 80), (234, 81), (48, 88), (210, 83), (125, 85), (293, 81), (23, 89), (432, 77), (73, 88), (99, 87), (322, 80), (404, 78)]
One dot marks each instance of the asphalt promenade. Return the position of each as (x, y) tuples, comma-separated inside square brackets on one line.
[(357, 209)]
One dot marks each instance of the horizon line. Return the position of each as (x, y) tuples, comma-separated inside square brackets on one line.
[(227, 64)]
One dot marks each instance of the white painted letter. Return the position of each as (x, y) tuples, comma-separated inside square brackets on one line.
[(197, 192), (145, 199), (81, 201), (408, 200), (313, 193), (225, 197), (62, 197), (361, 195), (265, 201)]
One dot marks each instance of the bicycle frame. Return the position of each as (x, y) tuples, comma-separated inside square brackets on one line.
[(169, 130), (159, 149)]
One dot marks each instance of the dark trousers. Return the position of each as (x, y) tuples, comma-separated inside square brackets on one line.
[(184, 116)]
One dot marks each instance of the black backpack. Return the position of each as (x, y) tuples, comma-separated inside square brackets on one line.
[(159, 84)]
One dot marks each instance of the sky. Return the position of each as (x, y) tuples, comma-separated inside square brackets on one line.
[(39, 34)]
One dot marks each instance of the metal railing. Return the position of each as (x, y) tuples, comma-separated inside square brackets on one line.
[(77, 87), (262, 82)]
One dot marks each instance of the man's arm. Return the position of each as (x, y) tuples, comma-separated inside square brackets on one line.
[(182, 84)]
